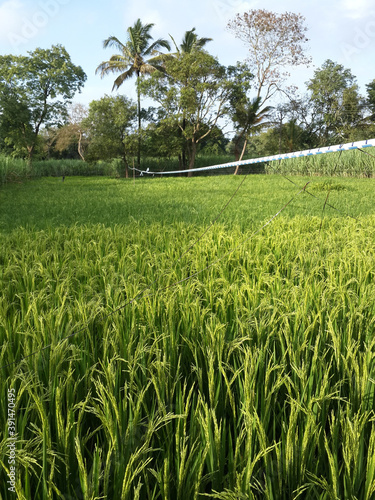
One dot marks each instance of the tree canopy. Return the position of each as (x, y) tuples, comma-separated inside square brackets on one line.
[(110, 128), (193, 92), (35, 92), (335, 98)]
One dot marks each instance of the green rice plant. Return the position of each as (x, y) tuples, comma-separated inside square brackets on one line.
[(253, 378)]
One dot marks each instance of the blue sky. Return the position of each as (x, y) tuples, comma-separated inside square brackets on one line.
[(341, 30)]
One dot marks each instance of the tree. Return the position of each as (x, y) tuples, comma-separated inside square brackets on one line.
[(70, 138), (370, 87), (193, 92), (275, 43), (286, 137), (248, 118), (246, 113), (14, 119), (110, 129), (336, 101), (35, 91), (137, 57), (190, 43)]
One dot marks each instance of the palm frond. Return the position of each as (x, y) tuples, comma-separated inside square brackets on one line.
[(147, 68), (114, 65), (175, 44), (113, 41), (191, 41), (153, 48), (139, 36), (124, 76)]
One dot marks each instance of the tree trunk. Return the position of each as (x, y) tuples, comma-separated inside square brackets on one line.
[(30, 154), (183, 151), (236, 149), (80, 149), (139, 122), (242, 153), (193, 152)]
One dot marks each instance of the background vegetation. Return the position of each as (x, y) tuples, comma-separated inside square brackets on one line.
[(189, 105)]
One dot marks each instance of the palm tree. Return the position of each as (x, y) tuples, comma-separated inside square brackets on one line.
[(137, 57), (190, 43), (249, 116)]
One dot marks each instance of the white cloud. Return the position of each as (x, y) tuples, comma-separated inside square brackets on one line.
[(356, 9)]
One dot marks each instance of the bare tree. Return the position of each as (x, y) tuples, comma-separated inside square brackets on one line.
[(72, 132), (275, 41)]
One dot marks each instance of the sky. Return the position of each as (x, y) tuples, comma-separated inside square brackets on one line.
[(340, 30)]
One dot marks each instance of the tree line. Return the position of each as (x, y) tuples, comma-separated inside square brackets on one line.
[(199, 105)]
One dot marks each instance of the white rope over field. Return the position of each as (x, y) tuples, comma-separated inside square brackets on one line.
[(368, 143)]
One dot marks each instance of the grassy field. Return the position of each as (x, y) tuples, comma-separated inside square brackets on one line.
[(232, 362)]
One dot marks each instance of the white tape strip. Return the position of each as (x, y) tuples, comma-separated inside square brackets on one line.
[(297, 154)]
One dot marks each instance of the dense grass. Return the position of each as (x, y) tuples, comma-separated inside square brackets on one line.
[(253, 379), (16, 170), (349, 164)]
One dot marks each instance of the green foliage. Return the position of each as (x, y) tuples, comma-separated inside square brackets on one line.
[(282, 139), (39, 87), (253, 379), (336, 101), (110, 129), (370, 87), (193, 91)]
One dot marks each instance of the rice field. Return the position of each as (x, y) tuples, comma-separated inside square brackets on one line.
[(154, 356)]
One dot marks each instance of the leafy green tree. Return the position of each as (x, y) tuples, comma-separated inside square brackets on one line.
[(336, 101), (247, 114), (15, 117), (193, 92), (110, 129), (137, 57), (190, 44), (370, 87), (284, 138), (35, 91)]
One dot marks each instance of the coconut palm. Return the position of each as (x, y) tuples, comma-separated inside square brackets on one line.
[(248, 117), (137, 57), (190, 42)]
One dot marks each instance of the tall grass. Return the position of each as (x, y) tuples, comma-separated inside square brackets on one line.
[(254, 379), (12, 170), (15, 170), (349, 163)]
